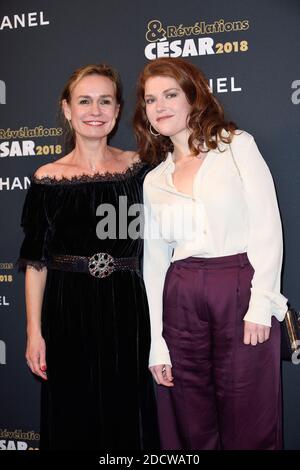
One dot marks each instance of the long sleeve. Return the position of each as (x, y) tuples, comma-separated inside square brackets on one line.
[(265, 245), (157, 256), (35, 225)]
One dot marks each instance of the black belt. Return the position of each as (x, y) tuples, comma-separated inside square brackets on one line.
[(99, 265)]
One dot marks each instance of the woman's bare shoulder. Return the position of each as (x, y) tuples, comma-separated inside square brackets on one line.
[(53, 169), (130, 156)]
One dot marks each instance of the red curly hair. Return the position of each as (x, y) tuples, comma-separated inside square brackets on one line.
[(206, 120)]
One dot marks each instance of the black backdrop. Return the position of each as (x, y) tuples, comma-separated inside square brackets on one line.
[(253, 63)]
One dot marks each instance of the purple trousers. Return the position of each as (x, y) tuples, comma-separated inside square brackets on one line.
[(226, 395)]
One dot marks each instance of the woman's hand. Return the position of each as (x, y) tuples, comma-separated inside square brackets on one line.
[(255, 333), (36, 355), (162, 374)]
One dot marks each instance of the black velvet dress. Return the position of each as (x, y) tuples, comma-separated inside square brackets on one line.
[(99, 393)]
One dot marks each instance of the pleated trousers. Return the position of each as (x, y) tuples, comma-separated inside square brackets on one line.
[(226, 395)]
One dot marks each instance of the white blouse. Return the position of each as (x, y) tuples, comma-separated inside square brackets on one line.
[(233, 210)]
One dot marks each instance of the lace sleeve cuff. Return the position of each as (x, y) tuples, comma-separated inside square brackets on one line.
[(38, 265)]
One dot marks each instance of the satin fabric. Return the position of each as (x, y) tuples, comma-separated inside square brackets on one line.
[(226, 395)]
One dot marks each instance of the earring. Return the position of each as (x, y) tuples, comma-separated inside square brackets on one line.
[(70, 124), (153, 133)]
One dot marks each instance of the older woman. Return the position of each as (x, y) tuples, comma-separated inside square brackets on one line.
[(87, 314)]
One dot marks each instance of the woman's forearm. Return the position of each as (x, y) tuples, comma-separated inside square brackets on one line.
[(35, 282)]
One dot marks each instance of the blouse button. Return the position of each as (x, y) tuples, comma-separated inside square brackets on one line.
[(204, 232)]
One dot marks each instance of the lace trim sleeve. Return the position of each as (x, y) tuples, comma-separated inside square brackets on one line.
[(23, 263)]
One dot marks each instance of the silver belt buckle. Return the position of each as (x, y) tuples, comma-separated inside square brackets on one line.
[(101, 265)]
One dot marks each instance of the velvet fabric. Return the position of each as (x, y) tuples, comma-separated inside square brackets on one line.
[(99, 393)]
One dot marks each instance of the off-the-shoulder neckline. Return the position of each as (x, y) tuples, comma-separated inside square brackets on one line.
[(86, 178)]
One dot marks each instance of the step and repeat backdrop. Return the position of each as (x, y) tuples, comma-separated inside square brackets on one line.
[(250, 53)]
